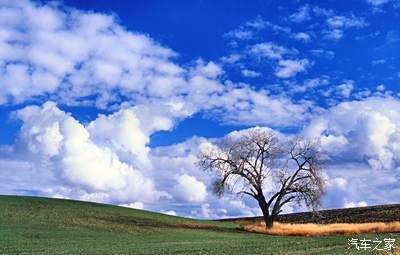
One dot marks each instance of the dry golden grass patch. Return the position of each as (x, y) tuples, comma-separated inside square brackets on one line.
[(394, 252), (311, 229)]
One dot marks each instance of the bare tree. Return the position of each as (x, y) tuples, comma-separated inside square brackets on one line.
[(255, 162)]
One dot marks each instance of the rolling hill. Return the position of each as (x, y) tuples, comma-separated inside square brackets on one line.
[(32, 225)]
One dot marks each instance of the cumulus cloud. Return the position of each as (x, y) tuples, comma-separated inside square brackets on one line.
[(269, 50), (302, 14), (181, 159), (360, 139), (377, 2), (57, 156), (362, 131), (355, 204), (357, 184), (231, 59), (333, 34), (49, 50), (338, 24), (250, 73), (378, 62), (246, 107), (251, 29), (346, 22), (346, 88), (308, 12), (302, 36), (279, 55), (105, 160), (189, 189), (172, 213), (310, 84), (67, 59), (288, 68), (135, 205), (380, 87), (328, 54), (240, 34), (338, 182)]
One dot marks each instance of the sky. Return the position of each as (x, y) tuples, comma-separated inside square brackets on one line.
[(111, 101)]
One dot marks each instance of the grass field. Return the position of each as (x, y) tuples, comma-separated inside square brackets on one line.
[(52, 226)]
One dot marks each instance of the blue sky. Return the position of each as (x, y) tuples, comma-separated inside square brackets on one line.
[(103, 100)]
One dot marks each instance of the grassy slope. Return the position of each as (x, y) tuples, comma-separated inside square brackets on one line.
[(52, 226)]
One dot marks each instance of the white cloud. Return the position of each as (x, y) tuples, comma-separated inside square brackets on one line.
[(377, 2), (366, 131), (206, 212), (189, 189), (231, 59), (240, 34), (251, 30), (357, 131), (240, 208), (269, 50), (257, 23), (106, 160), (252, 27), (350, 181), (135, 205), (289, 68), (209, 70), (67, 53), (355, 204), (322, 12), (339, 23), (336, 23), (301, 36), (334, 34), (115, 131), (69, 60), (323, 53), (338, 182), (310, 85), (346, 22), (345, 89), (250, 73), (172, 213), (381, 87), (181, 160), (245, 106), (303, 14), (378, 62), (286, 67)]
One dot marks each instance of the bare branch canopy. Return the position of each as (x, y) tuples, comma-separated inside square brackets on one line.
[(256, 161)]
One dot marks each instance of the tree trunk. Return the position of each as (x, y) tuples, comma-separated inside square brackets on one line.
[(269, 222), (268, 219)]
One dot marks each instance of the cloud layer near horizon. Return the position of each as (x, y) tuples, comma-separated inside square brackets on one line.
[(108, 160)]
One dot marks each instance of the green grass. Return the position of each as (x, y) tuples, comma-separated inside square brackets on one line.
[(53, 226)]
